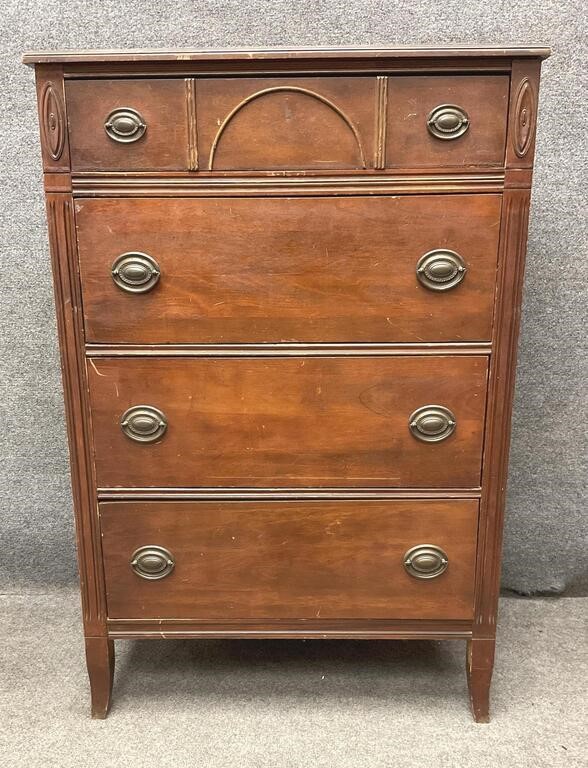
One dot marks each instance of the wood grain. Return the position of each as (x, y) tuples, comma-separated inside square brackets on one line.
[(285, 349), (330, 56), (284, 123), (499, 413), (271, 270), (522, 124), (68, 302), (299, 629), (295, 184), (411, 99), (100, 663), (479, 667), (52, 114), (301, 422), (288, 195), (290, 560), (161, 103)]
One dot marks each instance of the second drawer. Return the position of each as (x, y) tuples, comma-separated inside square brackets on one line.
[(359, 269), (340, 421)]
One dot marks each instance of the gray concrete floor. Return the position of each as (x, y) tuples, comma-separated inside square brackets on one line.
[(284, 704)]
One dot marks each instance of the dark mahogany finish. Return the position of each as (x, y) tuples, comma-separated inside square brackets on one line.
[(331, 421), (320, 123), (288, 289), (290, 560), (162, 104), (411, 100), (302, 270)]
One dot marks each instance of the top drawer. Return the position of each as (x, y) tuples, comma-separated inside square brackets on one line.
[(317, 124)]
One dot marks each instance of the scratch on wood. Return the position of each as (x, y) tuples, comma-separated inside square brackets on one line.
[(93, 364)]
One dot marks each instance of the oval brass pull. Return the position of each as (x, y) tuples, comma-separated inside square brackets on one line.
[(425, 561), (152, 562), (448, 122), (124, 125), (440, 270), (135, 272), (432, 423), (143, 423)]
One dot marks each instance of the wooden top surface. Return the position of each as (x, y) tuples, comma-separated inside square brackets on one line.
[(281, 54)]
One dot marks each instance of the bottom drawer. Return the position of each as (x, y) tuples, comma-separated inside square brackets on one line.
[(289, 559)]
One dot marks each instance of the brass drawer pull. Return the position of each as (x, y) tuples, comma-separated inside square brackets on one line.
[(440, 270), (135, 272), (432, 423), (448, 122), (143, 423), (425, 561), (152, 562), (125, 125)]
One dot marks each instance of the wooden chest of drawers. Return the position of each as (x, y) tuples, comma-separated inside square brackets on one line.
[(288, 291)]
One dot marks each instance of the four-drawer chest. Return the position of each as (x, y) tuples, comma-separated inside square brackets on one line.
[(288, 288)]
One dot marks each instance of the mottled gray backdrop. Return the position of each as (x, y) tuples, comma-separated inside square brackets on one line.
[(546, 527)]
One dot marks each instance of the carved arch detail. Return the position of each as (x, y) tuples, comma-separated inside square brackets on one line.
[(291, 89)]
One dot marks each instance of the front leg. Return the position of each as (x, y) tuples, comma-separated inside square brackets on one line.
[(479, 666), (100, 663)]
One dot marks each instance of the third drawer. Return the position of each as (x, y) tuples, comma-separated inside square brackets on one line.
[(406, 421)]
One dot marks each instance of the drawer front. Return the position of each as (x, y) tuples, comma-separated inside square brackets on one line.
[(305, 269), (273, 560), (447, 121), (340, 421), (277, 123), (314, 123), (128, 105), (317, 124)]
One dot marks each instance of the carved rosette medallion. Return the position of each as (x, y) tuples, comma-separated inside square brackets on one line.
[(524, 118), (52, 120)]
